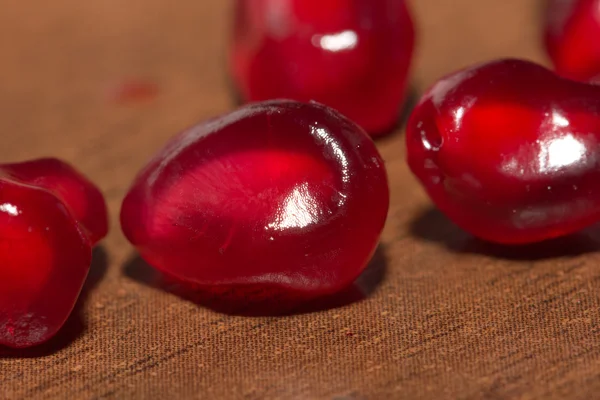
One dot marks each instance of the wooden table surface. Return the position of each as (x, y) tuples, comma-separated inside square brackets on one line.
[(445, 316)]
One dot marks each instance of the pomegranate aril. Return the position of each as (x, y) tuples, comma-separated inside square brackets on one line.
[(50, 216), (277, 195), (571, 35), (508, 151), (352, 55)]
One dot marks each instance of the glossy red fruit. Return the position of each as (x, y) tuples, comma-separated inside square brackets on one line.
[(352, 55), (509, 151), (571, 36), (276, 195), (50, 217)]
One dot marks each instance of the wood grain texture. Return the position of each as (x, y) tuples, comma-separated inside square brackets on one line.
[(446, 316)]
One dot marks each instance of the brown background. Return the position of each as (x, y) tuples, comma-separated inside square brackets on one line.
[(446, 316)]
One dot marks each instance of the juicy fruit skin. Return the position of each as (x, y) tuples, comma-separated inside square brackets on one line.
[(279, 195), (50, 217), (571, 31), (352, 55), (508, 150)]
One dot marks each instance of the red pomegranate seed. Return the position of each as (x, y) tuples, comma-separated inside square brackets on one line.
[(276, 195), (133, 91), (50, 217), (509, 151), (352, 55), (572, 32)]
